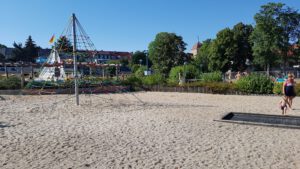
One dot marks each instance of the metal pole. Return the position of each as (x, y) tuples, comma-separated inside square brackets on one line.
[(75, 59)]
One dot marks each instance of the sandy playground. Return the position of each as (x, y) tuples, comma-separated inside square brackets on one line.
[(143, 130)]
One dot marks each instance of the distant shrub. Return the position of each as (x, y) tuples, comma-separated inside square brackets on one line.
[(255, 83), (140, 71), (132, 81), (190, 71), (215, 87), (277, 89), (12, 82), (211, 77), (153, 79)]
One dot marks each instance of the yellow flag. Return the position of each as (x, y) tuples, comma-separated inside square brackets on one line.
[(52, 39)]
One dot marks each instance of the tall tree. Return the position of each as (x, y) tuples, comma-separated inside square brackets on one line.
[(223, 50), (64, 45), (241, 34), (31, 50), (18, 52), (137, 56), (203, 55), (277, 28), (166, 51)]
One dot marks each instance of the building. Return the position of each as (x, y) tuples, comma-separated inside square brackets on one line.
[(104, 56), (7, 52), (195, 49)]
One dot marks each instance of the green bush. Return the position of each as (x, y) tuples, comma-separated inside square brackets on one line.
[(297, 88), (12, 82), (277, 89), (190, 70), (255, 83), (215, 87), (153, 79), (132, 81), (140, 71), (211, 77)]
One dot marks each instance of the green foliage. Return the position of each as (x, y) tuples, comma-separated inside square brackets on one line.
[(64, 45), (134, 67), (189, 71), (241, 34), (133, 81), (166, 51), (31, 50), (215, 87), (12, 82), (28, 53), (222, 51), (211, 77), (153, 79), (18, 52), (137, 56), (140, 71), (202, 57), (277, 27), (297, 87), (277, 89), (255, 83)]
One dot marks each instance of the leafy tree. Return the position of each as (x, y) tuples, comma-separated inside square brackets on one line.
[(223, 50), (31, 50), (18, 52), (202, 57), (64, 45), (276, 28), (241, 34), (166, 51), (137, 56)]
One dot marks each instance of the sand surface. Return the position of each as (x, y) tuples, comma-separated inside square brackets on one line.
[(143, 130)]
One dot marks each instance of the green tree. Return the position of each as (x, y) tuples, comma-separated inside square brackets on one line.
[(64, 45), (223, 51), (31, 50), (241, 34), (166, 51), (203, 55), (18, 52), (277, 26), (137, 56)]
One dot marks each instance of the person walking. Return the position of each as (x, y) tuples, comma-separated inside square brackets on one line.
[(288, 89)]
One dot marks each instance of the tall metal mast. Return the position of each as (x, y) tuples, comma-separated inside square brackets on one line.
[(75, 59)]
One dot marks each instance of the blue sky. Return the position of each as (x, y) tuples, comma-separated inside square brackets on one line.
[(125, 25)]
